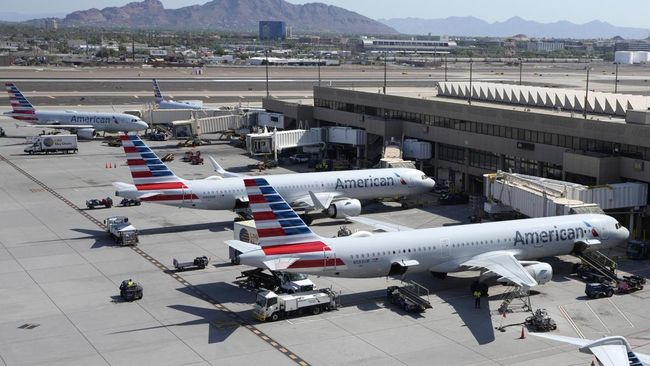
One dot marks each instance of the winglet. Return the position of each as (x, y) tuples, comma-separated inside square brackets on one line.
[(221, 171)]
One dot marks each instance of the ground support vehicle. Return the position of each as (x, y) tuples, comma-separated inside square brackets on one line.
[(540, 321), (130, 202), (123, 232), (196, 159), (597, 290), (188, 156), (113, 141), (627, 284), (130, 291), (96, 202), (590, 274), (51, 144), (453, 199), (275, 281), (409, 297), (168, 157), (197, 263), (271, 306)]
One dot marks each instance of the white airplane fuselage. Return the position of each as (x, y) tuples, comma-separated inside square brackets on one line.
[(107, 122), (442, 249), (170, 104), (223, 193)]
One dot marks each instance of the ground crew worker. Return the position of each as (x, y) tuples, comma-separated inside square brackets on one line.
[(130, 283), (477, 299)]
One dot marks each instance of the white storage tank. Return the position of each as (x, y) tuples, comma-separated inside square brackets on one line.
[(624, 57), (641, 57)]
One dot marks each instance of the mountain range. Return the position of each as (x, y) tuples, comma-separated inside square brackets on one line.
[(472, 27), (227, 15)]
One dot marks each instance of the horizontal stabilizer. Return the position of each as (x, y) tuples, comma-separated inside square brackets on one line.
[(280, 264), (242, 246)]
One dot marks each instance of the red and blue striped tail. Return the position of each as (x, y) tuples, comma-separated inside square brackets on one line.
[(156, 91), (276, 222), (148, 171), (23, 110)]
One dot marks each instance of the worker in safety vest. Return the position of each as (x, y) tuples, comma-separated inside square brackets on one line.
[(477, 299), (130, 283)]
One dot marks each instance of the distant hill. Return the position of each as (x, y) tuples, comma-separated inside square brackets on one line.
[(227, 15), (471, 26)]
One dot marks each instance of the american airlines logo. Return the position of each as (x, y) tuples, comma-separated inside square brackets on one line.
[(555, 234), (92, 119), (368, 182)]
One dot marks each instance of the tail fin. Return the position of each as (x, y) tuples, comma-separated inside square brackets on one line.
[(23, 110), (276, 222), (156, 92), (148, 171)]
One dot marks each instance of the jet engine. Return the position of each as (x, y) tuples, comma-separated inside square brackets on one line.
[(86, 133), (540, 271), (343, 208)]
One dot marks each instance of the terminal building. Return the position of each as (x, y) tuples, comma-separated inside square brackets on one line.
[(545, 132)]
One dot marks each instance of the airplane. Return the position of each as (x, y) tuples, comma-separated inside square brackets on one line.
[(170, 104), (84, 124), (502, 250), (336, 194), (609, 351)]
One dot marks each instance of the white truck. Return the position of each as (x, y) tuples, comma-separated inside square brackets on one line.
[(271, 306), (123, 232), (52, 144)]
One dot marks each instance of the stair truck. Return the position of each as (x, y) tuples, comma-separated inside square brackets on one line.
[(271, 306), (121, 230), (52, 144)]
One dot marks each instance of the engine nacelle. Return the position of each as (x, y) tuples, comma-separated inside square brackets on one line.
[(540, 271), (343, 208), (86, 133)]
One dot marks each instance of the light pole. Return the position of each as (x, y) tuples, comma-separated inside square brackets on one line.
[(584, 113), (319, 68), (266, 53), (385, 71), (445, 67), (469, 100), (616, 79), (521, 65)]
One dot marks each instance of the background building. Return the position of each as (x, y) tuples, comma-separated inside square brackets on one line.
[(272, 30)]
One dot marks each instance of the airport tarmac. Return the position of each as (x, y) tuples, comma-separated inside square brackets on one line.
[(60, 271)]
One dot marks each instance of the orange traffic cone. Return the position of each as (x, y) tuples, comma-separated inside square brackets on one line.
[(106, 166), (114, 165), (523, 334), (593, 363)]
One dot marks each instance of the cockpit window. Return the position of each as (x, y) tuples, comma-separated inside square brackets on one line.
[(618, 226)]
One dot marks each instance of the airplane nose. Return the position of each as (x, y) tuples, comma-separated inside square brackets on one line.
[(625, 233), (143, 125)]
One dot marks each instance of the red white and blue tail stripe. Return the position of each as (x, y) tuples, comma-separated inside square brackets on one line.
[(276, 222), (156, 92), (23, 110), (150, 174)]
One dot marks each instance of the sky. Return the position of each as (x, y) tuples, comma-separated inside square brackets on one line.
[(630, 13)]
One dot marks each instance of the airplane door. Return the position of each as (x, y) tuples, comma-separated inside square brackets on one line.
[(444, 248), (329, 260)]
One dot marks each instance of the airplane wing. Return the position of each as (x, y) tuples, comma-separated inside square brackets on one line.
[(320, 200), (221, 171), (379, 225), (504, 264), (610, 351)]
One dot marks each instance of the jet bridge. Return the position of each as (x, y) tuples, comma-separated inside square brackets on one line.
[(540, 197)]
